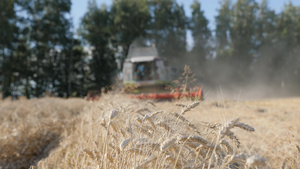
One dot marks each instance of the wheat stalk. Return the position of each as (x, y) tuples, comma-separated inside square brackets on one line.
[(113, 126), (169, 143), (155, 146), (155, 113), (178, 116), (180, 105), (144, 131), (151, 103), (192, 138), (114, 148), (227, 126), (139, 111), (124, 143), (145, 162), (226, 145), (93, 155), (173, 161), (137, 151), (140, 140), (148, 118), (113, 114), (139, 120), (189, 107), (123, 132), (165, 126), (298, 148), (233, 138), (244, 126)]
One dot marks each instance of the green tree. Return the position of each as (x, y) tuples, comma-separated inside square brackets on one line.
[(9, 59), (97, 29), (131, 20), (222, 32), (81, 70), (201, 35), (49, 34), (72, 71), (168, 29), (266, 25), (242, 36), (288, 25), (7, 14), (287, 60), (7, 25), (266, 43)]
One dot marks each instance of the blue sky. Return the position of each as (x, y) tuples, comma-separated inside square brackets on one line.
[(209, 7)]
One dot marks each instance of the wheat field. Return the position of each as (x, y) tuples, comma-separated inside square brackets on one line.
[(119, 132)]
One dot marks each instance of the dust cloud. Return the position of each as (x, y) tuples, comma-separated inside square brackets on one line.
[(268, 76)]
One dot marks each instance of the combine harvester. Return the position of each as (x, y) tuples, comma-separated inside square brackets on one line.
[(146, 76)]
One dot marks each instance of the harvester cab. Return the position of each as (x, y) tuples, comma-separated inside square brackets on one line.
[(144, 71)]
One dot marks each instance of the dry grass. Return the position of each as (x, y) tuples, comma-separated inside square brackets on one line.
[(30, 129), (117, 132)]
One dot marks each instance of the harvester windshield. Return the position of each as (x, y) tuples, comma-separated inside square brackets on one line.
[(144, 71)]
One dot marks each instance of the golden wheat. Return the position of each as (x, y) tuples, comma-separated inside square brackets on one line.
[(118, 133)]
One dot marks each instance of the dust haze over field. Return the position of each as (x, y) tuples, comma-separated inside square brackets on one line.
[(226, 80)]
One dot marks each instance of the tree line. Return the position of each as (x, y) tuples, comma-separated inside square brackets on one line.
[(40, 52)]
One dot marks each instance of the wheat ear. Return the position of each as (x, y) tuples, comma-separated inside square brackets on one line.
[(169, 143), (189, 107), (124, 143)]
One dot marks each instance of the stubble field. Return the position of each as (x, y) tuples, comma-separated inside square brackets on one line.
[(119, 132)]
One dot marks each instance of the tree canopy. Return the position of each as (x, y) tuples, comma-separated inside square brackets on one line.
[(41, 53)]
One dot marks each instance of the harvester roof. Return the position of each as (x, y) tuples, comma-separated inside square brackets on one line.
[(142, 54)]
